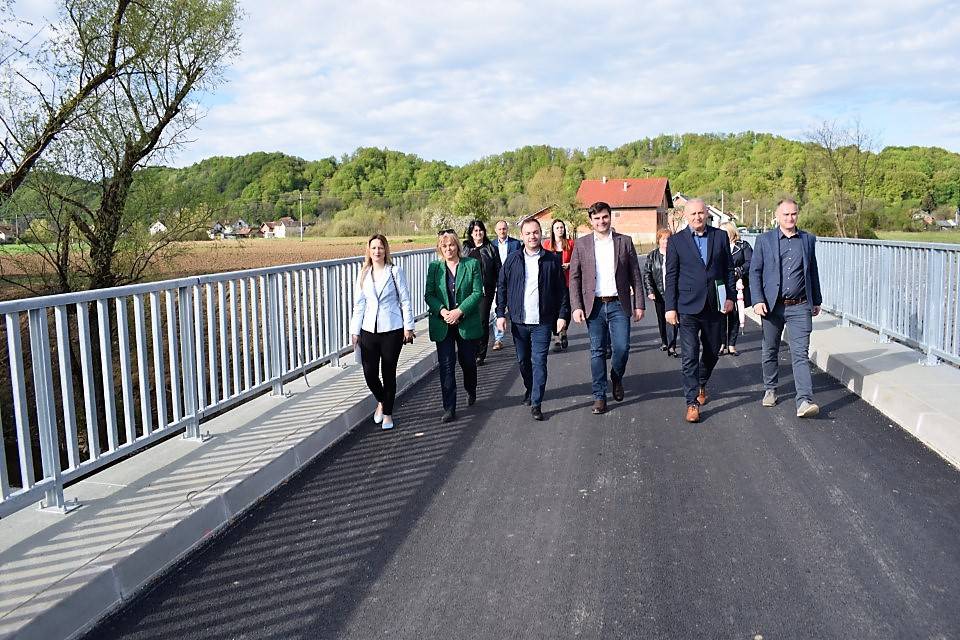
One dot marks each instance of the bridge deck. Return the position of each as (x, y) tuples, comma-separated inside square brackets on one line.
[(630, 525)]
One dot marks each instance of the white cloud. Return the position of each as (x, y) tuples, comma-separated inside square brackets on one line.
[(457, 82)]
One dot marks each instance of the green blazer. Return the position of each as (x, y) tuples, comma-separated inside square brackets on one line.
[(469, 293)]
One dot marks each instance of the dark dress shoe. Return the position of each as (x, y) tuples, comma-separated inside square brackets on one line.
[(702, 397), (693, 413), (618, 390), (536, 413), (480, 362), (448, 416), (663, 347), (557, 347), (564, 343), (672, 353), (471, 399), (526, 398), (599, 406)]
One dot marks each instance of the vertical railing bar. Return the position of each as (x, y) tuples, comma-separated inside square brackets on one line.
[(222, 325), (214, 375), (188, 363), (201, 372), (4, 478), (245, 332), (126, 375), (234, 349), (19, 384), (300, 326), (256, 302), (66, 386), (265, 315), (89, 393), (46, 411), (159, 368), (173, 352), (143, 367), (311, 316), (274, 340), (106, 370), (288, 338)]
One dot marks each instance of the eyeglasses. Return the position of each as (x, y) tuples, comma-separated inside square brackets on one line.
[(443, 231)]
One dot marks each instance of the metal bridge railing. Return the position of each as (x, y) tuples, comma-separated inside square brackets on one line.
[(908, 291), (95, 376)]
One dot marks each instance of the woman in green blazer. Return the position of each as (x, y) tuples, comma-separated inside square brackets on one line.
[(453, 293)]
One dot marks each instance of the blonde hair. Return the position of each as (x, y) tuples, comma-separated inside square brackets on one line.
[(368, 261), (731, 230), (456, 241)]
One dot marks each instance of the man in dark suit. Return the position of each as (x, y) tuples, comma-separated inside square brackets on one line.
[(785, 283), (699, 289), (505, 245), (605, 291)]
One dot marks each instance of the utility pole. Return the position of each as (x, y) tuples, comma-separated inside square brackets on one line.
[(721, 201), (300, 197), (756, 215), (743, 201)]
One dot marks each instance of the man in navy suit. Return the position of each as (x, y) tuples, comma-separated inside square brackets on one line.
[(505, 245), (699, 289), (786, 282)]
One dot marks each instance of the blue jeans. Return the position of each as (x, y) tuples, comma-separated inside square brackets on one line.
[(532, 342), (608, 324), (696, 329), (798, 319), (449, 351)]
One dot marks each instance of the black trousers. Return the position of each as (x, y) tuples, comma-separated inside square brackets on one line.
[(732, 321), (705, 327), (485, 303), (381, 352), (668, 332)]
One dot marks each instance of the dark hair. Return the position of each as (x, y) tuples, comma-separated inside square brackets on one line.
[(557, 243), (470, 227), (598, 207), (529, 220)]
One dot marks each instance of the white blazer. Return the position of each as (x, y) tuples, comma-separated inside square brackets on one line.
[(382, 306)]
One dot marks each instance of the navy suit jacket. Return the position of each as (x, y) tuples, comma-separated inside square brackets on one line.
[(765, 268), (688, 279)]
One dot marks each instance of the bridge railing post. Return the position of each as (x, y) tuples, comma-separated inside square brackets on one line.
[(275, 374)]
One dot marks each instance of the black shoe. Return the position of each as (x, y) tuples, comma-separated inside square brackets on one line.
[(481, 362), (536, 413), (471, 399), (449, 416), (663, 347), (618, 390), (557, 347), (526, 398), (563, 342)]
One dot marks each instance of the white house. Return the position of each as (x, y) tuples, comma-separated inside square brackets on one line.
[(157, 227)]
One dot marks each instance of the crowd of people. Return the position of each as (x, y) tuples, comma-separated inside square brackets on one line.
[(700, 279)]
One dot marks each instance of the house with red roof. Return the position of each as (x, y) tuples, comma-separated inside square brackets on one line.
[(639, 205)]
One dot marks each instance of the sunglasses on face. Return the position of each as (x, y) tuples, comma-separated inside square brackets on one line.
[(443, 231)]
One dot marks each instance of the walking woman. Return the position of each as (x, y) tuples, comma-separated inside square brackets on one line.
[(560, 244), (479, 247), (453, 293), (654, 278), (382, 320), (742, 253)]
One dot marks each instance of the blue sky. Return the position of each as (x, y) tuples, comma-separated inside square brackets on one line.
[(460, 80)]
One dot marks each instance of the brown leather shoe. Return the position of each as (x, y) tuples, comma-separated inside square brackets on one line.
[(693, 413), (599, 406), (497, 345), (702, 397), (618, 390)]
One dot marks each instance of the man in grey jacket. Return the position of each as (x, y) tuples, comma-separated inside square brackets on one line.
[(785, 284)]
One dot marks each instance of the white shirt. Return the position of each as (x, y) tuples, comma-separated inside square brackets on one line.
[(502, 248), (606, 284), (531, 287)]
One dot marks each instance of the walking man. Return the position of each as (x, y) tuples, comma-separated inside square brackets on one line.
[(533, 285), (786, 281), (605, 290), (505, 245), (699, 289)]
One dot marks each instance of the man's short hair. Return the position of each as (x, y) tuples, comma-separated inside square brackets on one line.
[(503, 221), (598, 207), (528, 221), (788, 201)]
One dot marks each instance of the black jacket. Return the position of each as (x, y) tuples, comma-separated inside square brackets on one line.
[(489, 259), (652, 268), (742, 253), (554, 297)]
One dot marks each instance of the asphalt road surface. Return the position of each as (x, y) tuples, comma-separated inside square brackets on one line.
[(634, 524)]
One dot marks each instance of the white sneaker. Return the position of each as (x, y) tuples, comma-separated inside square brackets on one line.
[(387, 425), (378, 416), (769, 398), (807, 410)]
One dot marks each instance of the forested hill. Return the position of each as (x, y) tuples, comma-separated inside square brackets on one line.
[(748, 166)]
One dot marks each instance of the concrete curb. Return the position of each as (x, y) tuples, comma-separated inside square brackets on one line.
[(74, 603)]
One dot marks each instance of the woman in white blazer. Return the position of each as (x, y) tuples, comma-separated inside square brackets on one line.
[(382, 321)]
